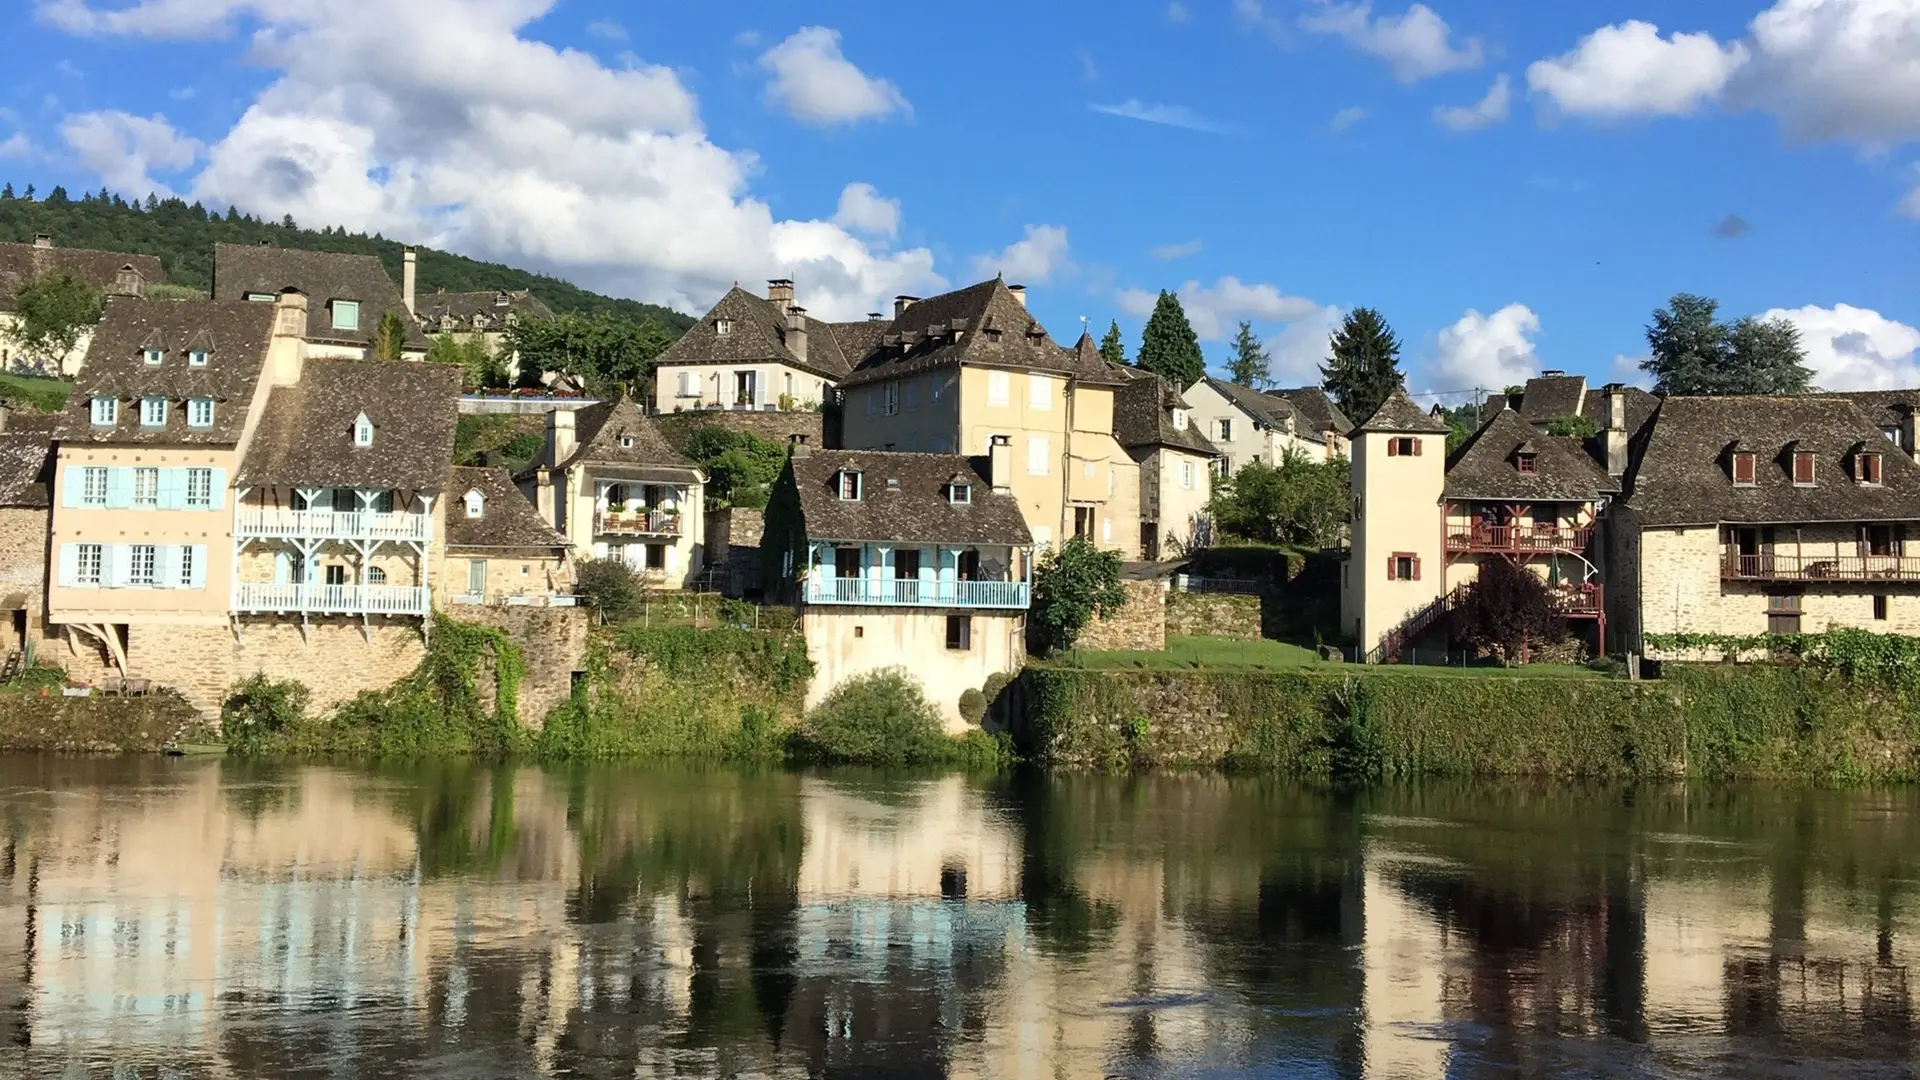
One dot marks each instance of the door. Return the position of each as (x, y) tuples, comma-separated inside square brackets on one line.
[(906, 575), (846, 568), (1746, 547), (477, 577), (1150, 541), (743, 387)]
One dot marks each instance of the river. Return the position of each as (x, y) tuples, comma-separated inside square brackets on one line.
[(220, 918)]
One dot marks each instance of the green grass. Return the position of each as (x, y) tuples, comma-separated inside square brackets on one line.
[(34, 392), (1212, 652)]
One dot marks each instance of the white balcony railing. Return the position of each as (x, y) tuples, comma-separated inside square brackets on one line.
[(638, 522), (260, 524), (824, 588), (258, 598)]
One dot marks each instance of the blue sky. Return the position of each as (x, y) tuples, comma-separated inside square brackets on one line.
[(1515, 185)]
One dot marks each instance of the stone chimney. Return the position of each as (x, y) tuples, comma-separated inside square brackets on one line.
[(409, 268), (797, 445), (1909, 438), (902, 303), (1019, 293), (797, 332), (1552, 373), (287, 352), (43, 240), (560, 436), (875, 316), (1616, 429), (1000, 464), (780, 293)]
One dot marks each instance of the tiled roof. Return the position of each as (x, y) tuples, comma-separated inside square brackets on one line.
[(1885, 407), (1640, 408), (234, 335), (21, 263), (1683, 476), (1485, 467), (1399, 414), (507, 520), (1318, 412), (617, 433), (904, 499), (756, 332), (26, 466), (306, 435), (1143, 416), (1547, 398), (486, 310), (983, 324), (240, 270), (1275, 412)]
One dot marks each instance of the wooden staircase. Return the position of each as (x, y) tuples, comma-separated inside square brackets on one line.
[(1401, 637)]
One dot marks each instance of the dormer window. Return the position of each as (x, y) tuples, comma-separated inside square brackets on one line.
[(106, 411), (1526, 464), (153, 357), (260, 297), (1803, 468), (346, 314), (723, 327), (849, 485), (1179, 419), (1867, 468), (1743, 468), (197, 358), (476, 504), (362, 431), (153, 412), (960, 494), (626, 442)]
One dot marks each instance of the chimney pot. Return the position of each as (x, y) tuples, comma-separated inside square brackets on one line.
[(780, 292), (1551, 373), (902, 303), (797, 332), (43, 240), (409, 274), (1019, 293), (874, 316)]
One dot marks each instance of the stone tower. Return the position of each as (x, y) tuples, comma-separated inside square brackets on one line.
[(1397, 566)]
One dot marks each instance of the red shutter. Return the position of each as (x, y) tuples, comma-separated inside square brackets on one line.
[(1416, 568), (1416, 453), (1390, 568), (1393, 447)]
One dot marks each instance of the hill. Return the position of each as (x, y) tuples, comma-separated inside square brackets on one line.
[(183, 235)]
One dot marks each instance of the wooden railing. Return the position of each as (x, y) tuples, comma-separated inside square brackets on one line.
[(824, 588), (1577, 601), (265, 524), (1542, 539), (1735, 566), (638, 522), (256, 597)]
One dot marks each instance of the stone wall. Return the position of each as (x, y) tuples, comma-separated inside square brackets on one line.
[(96, 724), (23, 576), (332, 657), (1227, 615), (553, 645), (1141, 625), (733, 545), (778, 427)]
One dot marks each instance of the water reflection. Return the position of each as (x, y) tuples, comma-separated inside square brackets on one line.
[(214, 918)]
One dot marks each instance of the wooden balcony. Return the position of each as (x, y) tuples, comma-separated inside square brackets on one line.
[(252, 523), (1735, 566), (637, 523), (1519, 539), (261, 598), (822, 587), (1578, 601)]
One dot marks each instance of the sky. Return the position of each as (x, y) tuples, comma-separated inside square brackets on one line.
[(1514, 185)]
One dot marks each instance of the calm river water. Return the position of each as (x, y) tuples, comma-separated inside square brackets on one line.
[(186, 918)]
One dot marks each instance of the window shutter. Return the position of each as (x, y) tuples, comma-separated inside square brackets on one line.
[(199, 579), (75, 487), (219, 493), (119, 488), (1416, 453), (1416, 560), (173, 489), (1391, 567), (69, 564), (1864, 541), (1393, 447), (166, 565), (119, 560)]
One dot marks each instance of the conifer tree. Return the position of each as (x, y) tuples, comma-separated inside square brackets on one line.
[(1693, 352), (1365, 364), (1168, 345), (1111, 349), (1250, 365)]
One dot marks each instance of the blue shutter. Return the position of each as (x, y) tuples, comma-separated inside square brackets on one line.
[(75, 487), (219, 500), (199, 579), (166, 563), (118, 559), (119, 488), (173, 489), (282, 568), (69, 564)]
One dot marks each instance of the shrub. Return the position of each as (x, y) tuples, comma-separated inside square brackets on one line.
[(1071, 586), (1504, 610), (881, 718), (973, 706), (611, 587), (258, 708)]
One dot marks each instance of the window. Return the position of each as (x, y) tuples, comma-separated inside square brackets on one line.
[(89, 559), (1880, 607), (656, 556), (200, 412), (197, 358), (1884, 540), (999, 387), (1403, 446), (1186, 474), (346, 314), (723, 327), (260, 297), (1226, 429), (1039, 392), (199, 489), (362, 431), (376, 576), (93, 486), (153, 412), (1038, 454), (143, 567), (1179, 419), (1868, 470), (626, 442), (849, 485), (184, 566), (1527, 464), (106, 411), (1783, 613), (1892, 434), (892, 406), (746, 387), (959, 632), (1803, 468), (960, 494), (146, 487), (154, 356), (476, 504), (382, 503), (689, 385), (476, 577), (1083, 522), (1743, 467), (1403, 566)]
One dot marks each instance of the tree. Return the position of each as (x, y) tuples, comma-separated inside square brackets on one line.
[(1070, 586), (1111, 349), (479, 367), (1505, 610), (1168, 345), (607, 351), (741, 466), (610, 586), (390, 336), (880, 718), (1365, 364), (1299, 501), (1693, 352), (1575, 425), (1462, 422), (1250, 366), (52, 313)]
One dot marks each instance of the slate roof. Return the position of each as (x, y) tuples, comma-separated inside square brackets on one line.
[(1884, 407), (305, 437), (601, 429), (1318, 412), (26, 466), (1484, 466), (1143, 416), (21, 263), (325, 276), (1683, 474), (1398, 414), (441, 312), (916, 510), (983, 324), (757, 332), (1551, 396), (507, 520), (235, 335), (1274, 412)]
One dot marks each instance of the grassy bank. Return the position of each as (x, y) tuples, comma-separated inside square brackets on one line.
[(1231, 653), (34, 392)]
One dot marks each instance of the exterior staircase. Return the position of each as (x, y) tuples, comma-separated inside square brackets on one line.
[(1401, 637)]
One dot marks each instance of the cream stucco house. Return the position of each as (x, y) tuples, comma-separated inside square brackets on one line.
[(909, 560), (113, 273), (756, 354), (1176, 466), (1245, 424), (1395, 570), (346, 294)]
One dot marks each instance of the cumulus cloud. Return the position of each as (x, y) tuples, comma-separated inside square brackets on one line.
[(1491, 351), (1852, 348), (863, 209), (503, 147), (1170, 115), (15, 145), (815, 84), (125, 149), (1836, 69), (1488, 111), (1349, 116), (1035, 257), (1629, 70), (1182, 250), (1416, 44), (1216, 310)]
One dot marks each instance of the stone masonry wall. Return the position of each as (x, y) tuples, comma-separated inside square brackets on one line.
[(332, 659), (1141, 625), (1227, 615), (733, 542), (553, 645), (23, 575), (778, 427)]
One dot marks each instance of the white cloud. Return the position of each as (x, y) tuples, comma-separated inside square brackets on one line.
[(1416, 44), (152, 18), (1170, 115), (503, 147), (124, 149), (1490, 110), (607, 30), (1852, 348), (1168, 252), (1089, 71), (1349, 116), (1216, 310), (1628, 70), (864, 209), (1177, 12), (1491, 351), (1036, 257), (814, 83), (15, 145), (1836, 69), (1910, 205)]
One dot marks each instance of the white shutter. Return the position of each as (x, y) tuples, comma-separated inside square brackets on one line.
[(119, 564), (75, 489), (166, 565), (69, 565), (998, 387), (1039, 450), (199, 579), (219, 494)]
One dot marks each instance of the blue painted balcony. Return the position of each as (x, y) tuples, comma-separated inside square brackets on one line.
[(823, 587)]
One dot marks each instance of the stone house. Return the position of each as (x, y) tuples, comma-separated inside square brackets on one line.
[(499, 551), (26, 509), (1176, 466), (114, 273), (909, 560), (1314, 410), (484, 315), (1245, 425), (347, 295), (757, 354), (610, 483), (1394, 578), (1555, 395)]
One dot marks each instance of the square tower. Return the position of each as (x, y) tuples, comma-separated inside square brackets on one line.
[(1395, 571)]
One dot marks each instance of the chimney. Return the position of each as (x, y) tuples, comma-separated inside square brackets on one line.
[(780, 293), (1019, 293), (43, 240), (1616, 429), (874, 316), (797, 445), (1552, 373), (560, 436), (288, 349), (1908, 440), (1000, 464), (409, 265), (902, 303), (797, 332)]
